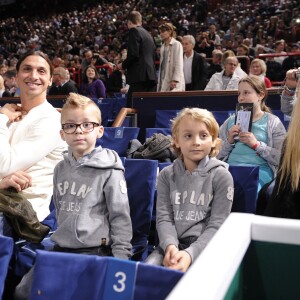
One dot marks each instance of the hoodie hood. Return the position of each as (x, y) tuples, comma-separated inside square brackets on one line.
[(205, 166), (100, 158)]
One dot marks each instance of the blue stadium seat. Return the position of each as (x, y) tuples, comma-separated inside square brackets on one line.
[(163, 117), (6, 250), (118, 138), (71, 276), (245, 188), (151, 131), (140, 175)]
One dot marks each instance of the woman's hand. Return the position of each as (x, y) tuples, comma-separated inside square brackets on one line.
[(173, 84), (233, 132), (19, 180)]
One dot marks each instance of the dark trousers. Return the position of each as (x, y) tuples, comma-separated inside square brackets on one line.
[(143, 86)]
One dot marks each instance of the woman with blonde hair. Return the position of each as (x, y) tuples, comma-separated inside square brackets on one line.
[(171, 76), (259, 68), (284, 201)]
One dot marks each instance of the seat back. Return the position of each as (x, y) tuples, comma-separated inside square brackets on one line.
[(73, 276), (151, 131), (118, 138), (245, 180), (140, 175), (163, 117), (6, 249)]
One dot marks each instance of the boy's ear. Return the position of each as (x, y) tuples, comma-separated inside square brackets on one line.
[(62, 134), (100, 132)]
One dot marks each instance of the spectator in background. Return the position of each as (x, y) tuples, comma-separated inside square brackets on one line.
[(171, 77), (239, 71), (228, 79), (243, 50), (279, 49), (292, 62), (10, 83), (2, 87), (204, 45), (288, 95), (139, 63), (116, 83), (194, 66), (259, 68), (61, 84), (215, 64), (261, 146), (3, 69), (274, 70), (91, 85), (213, 37)]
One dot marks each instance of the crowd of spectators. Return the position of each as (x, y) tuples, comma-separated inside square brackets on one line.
[(259, 26)]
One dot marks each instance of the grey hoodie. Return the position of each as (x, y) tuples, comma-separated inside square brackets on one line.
[(91, 201), (192, 204)]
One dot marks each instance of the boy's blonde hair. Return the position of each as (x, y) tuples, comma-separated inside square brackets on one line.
[(78, 101), (200, 115)]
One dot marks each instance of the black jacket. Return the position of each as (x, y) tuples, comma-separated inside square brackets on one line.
[(199, 72), (67, 88), (140, 56)]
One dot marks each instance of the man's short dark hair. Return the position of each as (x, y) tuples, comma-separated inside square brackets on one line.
[(35, 53), (135, 17), (10, 74)]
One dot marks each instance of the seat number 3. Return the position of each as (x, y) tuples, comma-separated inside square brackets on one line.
[(120, 287)]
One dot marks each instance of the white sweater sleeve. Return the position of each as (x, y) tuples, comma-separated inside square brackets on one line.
[(33, 138)]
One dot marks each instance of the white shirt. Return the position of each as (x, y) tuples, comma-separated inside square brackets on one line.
[(187, 68), (33, 145)]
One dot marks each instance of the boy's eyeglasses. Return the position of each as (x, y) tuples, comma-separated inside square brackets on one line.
[(85, 127)]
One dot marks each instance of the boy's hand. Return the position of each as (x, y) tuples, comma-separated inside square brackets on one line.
[(19, 180), (170, 252), (183, 261)]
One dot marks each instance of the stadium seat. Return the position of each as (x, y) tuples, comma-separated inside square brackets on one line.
[(72, 276), (151, 131), (245, 188), (140, 175), (163, 117), (118, 138), (6, 250)]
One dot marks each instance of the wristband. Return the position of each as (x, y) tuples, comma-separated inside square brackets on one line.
[(255, 146)]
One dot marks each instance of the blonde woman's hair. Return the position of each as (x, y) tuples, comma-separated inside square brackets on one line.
[(200, 115), (79, 101), (262, 65), (289, 170), (260, 88)]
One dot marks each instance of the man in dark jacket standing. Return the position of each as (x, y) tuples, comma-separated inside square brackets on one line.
[(194, 66), (141, 74)]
